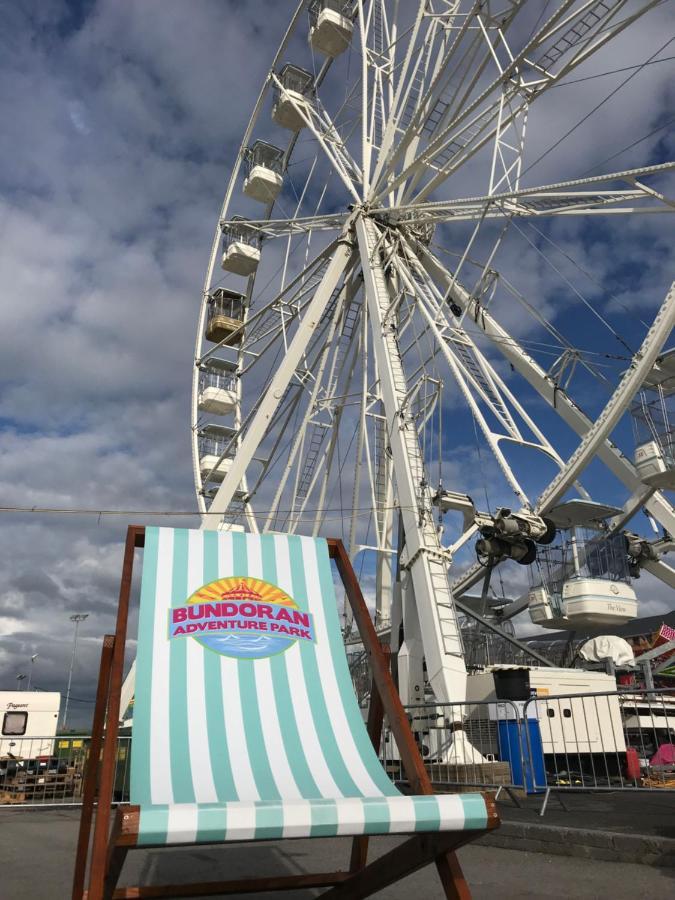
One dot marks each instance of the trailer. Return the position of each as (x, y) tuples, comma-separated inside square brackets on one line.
[(28, 722)]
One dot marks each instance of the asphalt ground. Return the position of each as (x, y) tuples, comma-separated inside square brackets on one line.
[(648, 813), (37, 853)]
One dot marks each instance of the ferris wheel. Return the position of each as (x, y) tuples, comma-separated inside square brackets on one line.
[(367, 364)]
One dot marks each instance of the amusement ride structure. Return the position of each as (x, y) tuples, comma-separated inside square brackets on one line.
[(366, 365)]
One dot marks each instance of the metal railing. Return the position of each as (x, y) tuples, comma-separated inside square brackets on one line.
[(466, 746), (49, 771), (605, 741), (595, 742)]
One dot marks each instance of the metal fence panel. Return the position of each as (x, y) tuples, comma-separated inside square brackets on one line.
[(49, 771), (446, 733)]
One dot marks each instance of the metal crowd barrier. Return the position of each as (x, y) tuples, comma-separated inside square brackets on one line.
[(49, 771), (610, 741), (445, 734)]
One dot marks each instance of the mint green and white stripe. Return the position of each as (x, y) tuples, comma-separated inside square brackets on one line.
[(231, 749)]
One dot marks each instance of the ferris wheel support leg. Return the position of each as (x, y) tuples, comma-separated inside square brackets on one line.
[(277, 386), (426, 561), (411, 650)]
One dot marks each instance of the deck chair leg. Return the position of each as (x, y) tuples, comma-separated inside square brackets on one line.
[(405, 859), (115, 858), (90, 775), (452, 877), (359, 856)]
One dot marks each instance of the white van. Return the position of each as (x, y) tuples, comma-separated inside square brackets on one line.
[(28, 722)]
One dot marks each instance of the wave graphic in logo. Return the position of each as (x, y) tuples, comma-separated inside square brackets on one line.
[(242, 617)]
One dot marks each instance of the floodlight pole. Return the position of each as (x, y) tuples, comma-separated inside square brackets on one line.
[(30, 671), (76, 618)]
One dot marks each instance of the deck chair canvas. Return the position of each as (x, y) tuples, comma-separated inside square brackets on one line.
[(246, 726)]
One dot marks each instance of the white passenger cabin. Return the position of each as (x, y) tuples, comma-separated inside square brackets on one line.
[(653, 414), (582, 580), (217, 387), (265, 172), (214, 441), (241, 248), (295, 92), (330, 27), (28, 723)]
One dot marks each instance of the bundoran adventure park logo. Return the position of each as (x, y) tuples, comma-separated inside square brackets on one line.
[(241, 617)]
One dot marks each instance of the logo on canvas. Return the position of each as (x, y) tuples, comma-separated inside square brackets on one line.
[(242, 617)]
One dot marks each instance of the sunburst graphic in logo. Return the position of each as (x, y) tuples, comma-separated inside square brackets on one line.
[(243, 617)]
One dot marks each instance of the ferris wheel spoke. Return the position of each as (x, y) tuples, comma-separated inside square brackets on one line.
[(563, 198), (605, 423), (558, 47), (476, 378), (277, 387), (298, 458), (317, 466), (273, 228), (460, 63), (546, 386), (317, 119)]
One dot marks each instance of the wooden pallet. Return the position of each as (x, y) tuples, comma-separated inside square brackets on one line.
[(466, 778)]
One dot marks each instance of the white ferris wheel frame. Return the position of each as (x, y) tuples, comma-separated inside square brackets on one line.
[(390, 191)]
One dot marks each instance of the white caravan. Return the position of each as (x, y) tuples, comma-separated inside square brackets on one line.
[(28, 722)]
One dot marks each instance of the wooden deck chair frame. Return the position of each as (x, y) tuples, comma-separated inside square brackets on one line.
[(360, 879)]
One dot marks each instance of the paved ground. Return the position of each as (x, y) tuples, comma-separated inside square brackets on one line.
[(37, 854), (649, 813)]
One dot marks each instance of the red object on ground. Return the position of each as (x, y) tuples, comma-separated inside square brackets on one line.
[(632, 764), (626, 679)]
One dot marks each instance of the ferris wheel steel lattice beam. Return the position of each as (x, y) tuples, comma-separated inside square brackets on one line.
[(492, 389), (618, 403), (426, 560), (420, 92), (296, 451), (475, 124), (546, 387), (507, 202), (318, 121), (339, 262)]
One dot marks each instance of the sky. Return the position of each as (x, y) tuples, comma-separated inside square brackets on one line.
[(120, 123)]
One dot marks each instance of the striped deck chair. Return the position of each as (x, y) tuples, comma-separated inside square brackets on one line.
[(246, 727)]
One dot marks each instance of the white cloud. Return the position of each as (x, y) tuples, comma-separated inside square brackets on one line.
[(120, 123)]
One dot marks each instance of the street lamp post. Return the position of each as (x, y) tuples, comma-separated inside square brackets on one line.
[(76, 618), (30, 671)]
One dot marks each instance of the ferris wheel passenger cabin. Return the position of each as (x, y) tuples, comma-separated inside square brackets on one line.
[(217, 387), (297, 87), (265, 172), (225, 317), (214, 441), (583, 580), (330, 30), (241, 247), (653, 414)]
